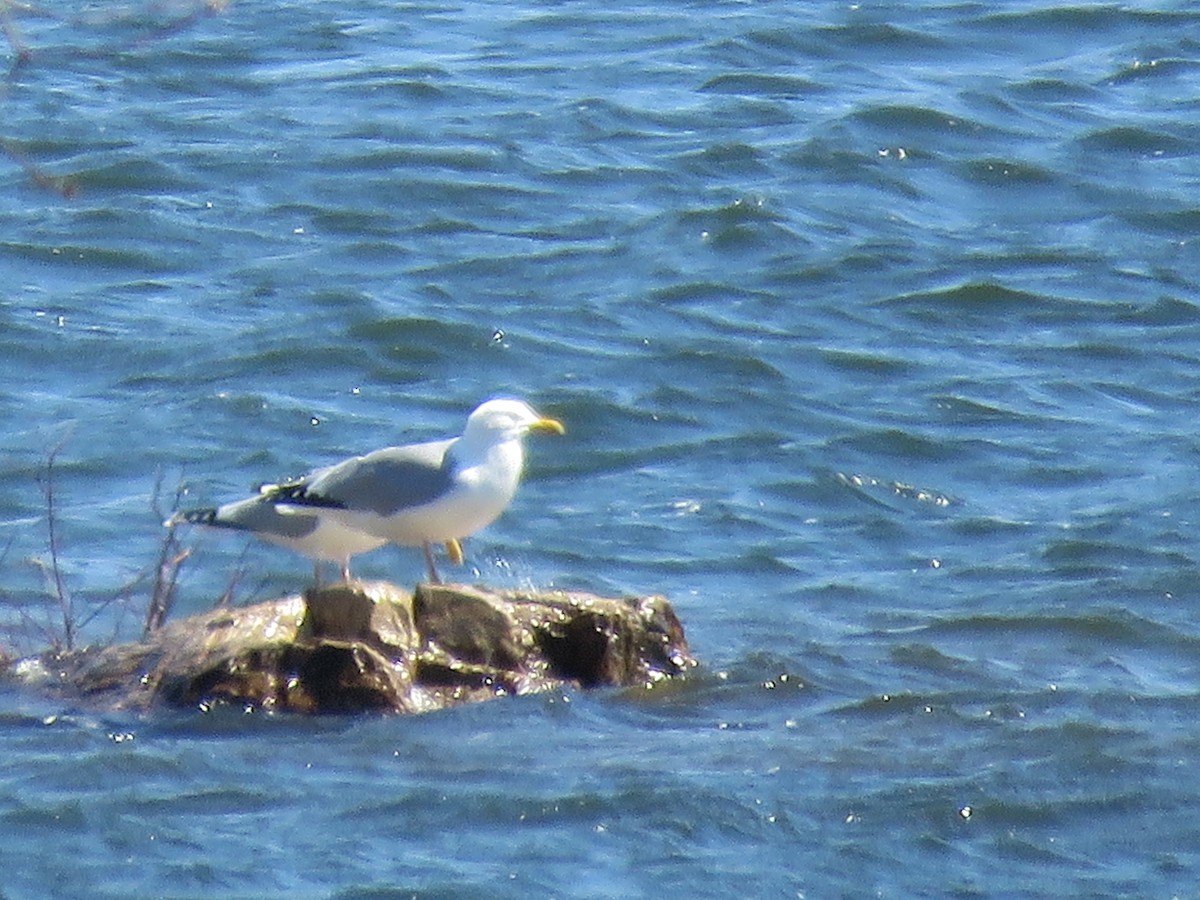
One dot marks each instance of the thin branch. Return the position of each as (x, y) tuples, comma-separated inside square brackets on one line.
[(10, 29), (191, 13), (28, 624), (235, 580), (175, 26), (55, 576), (50, 634), (4, 556), (166, 579), (63, 185), (13, 34), (171, 557)]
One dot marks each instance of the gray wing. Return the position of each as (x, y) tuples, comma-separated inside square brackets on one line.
[(382, 482)]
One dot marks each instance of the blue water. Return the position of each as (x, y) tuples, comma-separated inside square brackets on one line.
[(876, 330)]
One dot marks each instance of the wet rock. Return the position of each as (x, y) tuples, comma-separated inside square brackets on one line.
[(371, 646)]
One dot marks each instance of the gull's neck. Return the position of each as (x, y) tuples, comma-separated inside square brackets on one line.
[(473, 449)]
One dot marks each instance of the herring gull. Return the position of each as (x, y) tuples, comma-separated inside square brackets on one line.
[(414, 495)]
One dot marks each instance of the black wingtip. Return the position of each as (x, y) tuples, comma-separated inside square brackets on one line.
[(193, 517)]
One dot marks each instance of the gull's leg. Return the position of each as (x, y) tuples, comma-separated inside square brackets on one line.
[(346, 570), (433, 575), (316, 573), (454, 551)]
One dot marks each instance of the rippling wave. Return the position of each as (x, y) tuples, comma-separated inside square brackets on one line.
[(873, 330)]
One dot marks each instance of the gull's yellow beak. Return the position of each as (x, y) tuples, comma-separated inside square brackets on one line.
[(552, 425)]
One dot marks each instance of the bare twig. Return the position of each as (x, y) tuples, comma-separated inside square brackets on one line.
[(28, 625), (63, 185), (48, 631), (22, 57), (4, 555), (185, 21), (54, 574), (10, 28), (8, 546), (171, 557), (166, 577), (180, 16), (235, 580)]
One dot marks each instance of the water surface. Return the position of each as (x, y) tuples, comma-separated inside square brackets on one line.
[(874, 327)]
